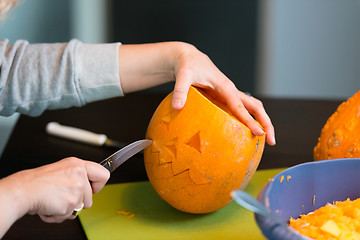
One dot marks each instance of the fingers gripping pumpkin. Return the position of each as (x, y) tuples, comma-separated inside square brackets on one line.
[(339, 137), (200, 153)]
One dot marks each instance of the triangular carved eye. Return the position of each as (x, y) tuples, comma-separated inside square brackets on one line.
[(171, 146), (195, 142), (166, 120)]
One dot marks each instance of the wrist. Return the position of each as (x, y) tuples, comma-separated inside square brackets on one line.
[(14, 196), (12, 204), (143, 66), (181, 53)]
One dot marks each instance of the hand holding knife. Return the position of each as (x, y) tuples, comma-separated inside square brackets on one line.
[(110, 163)]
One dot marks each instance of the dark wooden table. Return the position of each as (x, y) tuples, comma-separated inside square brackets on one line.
[(297, 123)]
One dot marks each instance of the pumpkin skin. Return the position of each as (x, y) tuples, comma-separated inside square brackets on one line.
[(339, 137), (199, 154)]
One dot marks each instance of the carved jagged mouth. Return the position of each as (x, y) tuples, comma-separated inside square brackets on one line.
[(167, 171), (165, 166)]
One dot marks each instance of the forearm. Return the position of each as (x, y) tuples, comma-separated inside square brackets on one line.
[(143, 66)]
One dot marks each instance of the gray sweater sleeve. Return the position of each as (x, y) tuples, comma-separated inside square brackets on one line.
[(36, 77)]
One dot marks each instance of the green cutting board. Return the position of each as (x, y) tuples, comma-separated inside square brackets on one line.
[(135, 211)]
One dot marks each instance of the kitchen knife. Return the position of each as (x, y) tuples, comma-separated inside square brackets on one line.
[(118, 158), (80, 135)]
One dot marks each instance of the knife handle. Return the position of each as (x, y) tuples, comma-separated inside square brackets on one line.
[(76, 134), (106, 165)]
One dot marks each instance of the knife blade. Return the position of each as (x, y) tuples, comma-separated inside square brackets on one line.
[(119, 157), (81, 135)]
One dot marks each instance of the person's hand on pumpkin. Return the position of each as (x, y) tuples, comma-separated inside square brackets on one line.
[(52, 191), (147, 65)]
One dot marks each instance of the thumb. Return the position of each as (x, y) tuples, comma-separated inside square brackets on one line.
[(181, 90), (97, 175)]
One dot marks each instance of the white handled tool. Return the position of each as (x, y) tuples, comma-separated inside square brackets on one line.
[(81, 135)]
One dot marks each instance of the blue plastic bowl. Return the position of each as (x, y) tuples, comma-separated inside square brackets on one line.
[(309, 187)]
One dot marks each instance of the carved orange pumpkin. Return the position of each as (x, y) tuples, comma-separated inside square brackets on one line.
[(200, 153), (340, 137)]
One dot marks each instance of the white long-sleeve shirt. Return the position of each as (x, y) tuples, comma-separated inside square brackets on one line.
[(36, 77)]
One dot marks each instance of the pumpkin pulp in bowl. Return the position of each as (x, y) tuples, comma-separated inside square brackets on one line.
[(339, 220)]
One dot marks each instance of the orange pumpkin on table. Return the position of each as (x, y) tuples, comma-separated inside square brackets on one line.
[(200, 153), (340, 137)]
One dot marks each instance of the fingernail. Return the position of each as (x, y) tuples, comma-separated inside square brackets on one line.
[(273, 140), (177, 104)]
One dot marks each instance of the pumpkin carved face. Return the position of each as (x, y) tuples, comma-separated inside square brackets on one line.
[(199, 154), (339, 137)]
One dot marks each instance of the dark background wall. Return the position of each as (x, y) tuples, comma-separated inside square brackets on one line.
[(223, 29)]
